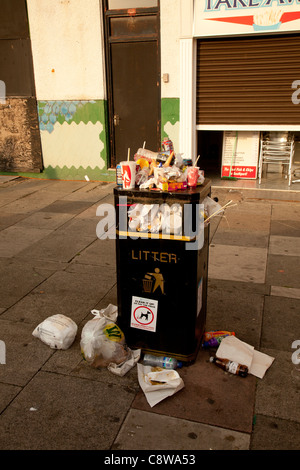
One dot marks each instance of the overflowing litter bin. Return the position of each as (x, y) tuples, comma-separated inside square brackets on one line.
[(161, 273)]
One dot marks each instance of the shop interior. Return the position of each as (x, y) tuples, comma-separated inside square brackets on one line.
[(274, 175)]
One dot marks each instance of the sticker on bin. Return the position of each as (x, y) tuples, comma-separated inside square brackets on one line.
[(143, 313)]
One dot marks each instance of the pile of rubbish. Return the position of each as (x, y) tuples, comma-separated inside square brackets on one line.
[(165, 170), (103, 345)]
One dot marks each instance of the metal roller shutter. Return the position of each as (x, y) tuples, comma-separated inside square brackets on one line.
[(248, 80)]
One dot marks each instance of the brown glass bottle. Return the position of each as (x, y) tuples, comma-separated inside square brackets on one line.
[(230, 366)]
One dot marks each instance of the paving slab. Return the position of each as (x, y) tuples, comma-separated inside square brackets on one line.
[(271, 433), (92, 192), (80, 227), (30, 202), (233, 286), (24, 187), (248, 239), (237, 264), (99, 252), (65, 187), (7, 394), (286, 211), (25, 354), (68, 293), (16, 281), (244, 221), (57, 412), (8, 219), (38, 264), (253, 207), (290, 292), (283, 271), (278, 393), (279, 313), (91, 211), (286, 228), (57, 246), (46, 220), (5, 178), (13, 239), (142, 430), (232, 310), (68, 207), (288, 246), (210, 396)]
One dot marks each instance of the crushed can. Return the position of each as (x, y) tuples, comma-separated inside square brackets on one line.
[(167, 145)]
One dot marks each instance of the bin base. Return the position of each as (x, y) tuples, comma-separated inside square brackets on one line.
[(187, 360)]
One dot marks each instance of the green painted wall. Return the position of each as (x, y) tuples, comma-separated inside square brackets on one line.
[(92, 113), (170, 115)]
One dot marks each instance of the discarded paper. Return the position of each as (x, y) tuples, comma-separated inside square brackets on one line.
[(238, 351), (158, 384)]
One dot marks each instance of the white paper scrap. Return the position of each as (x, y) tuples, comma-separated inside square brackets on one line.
[(261, 362), (170, 383), (122, 369)]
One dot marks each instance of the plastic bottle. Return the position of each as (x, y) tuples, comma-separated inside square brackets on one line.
[(161, 361), (230, 366)]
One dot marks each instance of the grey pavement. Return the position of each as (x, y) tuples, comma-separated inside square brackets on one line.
[(51, 261)]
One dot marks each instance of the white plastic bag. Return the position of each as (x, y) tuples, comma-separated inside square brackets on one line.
[(102, 341), (57, 331)]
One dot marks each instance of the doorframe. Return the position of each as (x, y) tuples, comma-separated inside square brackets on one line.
[(107, 15)]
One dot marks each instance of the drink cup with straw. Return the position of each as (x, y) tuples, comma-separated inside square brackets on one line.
[(192, 174), (128, 169)]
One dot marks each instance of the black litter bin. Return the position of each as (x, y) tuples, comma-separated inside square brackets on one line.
[(162, 277)]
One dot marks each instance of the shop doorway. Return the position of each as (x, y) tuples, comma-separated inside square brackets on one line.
[(210, 144), (133, 72)]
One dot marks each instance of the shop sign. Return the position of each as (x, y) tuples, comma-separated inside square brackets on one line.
[(240, 154), (228, 17)]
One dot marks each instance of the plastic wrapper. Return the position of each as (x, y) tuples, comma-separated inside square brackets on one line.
[(147, 154), (57, 331), (142, 175)]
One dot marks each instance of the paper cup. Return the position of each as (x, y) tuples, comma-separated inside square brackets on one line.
[(192, 175), (128, 170)]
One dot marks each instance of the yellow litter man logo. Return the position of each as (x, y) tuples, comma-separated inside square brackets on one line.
[(153, 281)]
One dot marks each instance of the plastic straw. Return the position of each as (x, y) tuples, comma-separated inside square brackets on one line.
[(219, 210), (196, 160), (128, 155), (144, 144)]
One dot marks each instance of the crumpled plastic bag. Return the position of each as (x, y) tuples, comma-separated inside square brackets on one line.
[(57, 331), (158, 384), (103, 343)]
